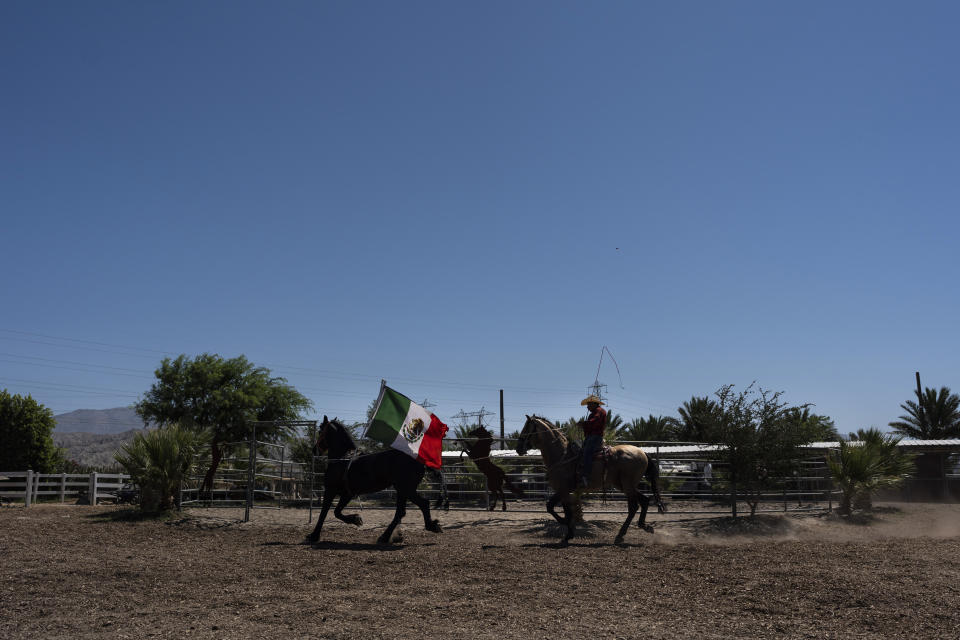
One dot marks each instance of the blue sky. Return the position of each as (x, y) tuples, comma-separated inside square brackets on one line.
[(462, 197)]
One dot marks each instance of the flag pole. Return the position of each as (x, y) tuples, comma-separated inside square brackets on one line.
[(376, 407)]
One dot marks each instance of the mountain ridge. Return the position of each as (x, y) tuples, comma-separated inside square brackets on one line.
[(98, 421)]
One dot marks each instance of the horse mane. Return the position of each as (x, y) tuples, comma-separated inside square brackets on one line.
[(550, 427), (342, 434)]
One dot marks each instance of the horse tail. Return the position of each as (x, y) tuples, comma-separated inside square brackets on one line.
[(652, 474)]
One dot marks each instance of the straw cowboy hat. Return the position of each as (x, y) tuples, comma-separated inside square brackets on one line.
[(590, 400)]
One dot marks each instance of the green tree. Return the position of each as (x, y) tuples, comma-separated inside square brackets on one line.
[(26, 428), (613, 424), (934, 416), (698, 419), (301, 445), (223, 396), (157, 460), (865, 465), (652, 428), (760, 443), (816, 427)]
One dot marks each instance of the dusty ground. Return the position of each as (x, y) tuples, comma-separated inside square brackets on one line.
[(82, 572)]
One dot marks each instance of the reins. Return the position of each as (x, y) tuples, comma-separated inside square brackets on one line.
[(559, 437)]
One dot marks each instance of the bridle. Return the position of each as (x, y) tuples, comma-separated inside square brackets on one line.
[(558, 436), (351, 456)]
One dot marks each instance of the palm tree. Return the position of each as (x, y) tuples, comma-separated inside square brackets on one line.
[(863, 466), (158, 460), (816, 428), (935, 415), (614, 422), (653, 428), (698, 418)]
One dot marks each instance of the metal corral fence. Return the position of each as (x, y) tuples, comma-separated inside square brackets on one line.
[(85, 488), (688, 484), (252, 475), (258, 475)]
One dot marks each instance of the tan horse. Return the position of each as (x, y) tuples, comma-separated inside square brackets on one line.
[(625, 468)]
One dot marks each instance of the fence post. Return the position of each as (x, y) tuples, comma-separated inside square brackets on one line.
[(92, 490), (251, 472), (63, 487), (733, 498), (28, 488)]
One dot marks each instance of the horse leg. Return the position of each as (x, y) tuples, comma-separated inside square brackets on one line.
[(501, 479), (568, 521), (493, 490), (444, 499), (551, 503), (632, 504), (642, 522), (397, 517), (353, 518), (327, 501), (424, 504)]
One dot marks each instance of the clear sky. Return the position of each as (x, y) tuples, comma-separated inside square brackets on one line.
[(463, 197)]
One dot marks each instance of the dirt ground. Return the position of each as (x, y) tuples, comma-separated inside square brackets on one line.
[(84, 572)]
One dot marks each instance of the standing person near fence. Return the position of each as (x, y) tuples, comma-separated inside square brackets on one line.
[(593, 428), (708, 475)]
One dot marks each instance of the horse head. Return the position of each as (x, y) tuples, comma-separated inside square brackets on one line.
[(333, 438), (320, 446), (480, 432), (528, 432)]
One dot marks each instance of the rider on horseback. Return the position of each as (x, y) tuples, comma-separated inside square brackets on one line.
[(593, 428)]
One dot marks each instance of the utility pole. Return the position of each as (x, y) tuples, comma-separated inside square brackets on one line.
[(920, 402), (502, 441)]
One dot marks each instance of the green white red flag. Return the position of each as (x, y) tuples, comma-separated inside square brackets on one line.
[(404, 425)]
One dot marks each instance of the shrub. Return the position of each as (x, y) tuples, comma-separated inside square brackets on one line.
[(158, 460), (863, 467)]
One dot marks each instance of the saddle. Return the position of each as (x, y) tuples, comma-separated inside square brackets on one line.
[(602, 456)]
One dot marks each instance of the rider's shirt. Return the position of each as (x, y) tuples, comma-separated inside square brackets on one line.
[(595, 423)]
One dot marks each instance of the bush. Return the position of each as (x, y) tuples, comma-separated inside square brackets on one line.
[(158, 460), (863, 467)]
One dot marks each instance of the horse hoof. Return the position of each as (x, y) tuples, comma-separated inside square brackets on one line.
[(646, 527), (435, 526), (311, 539), (618, 540), (383, 540), (356, 521)]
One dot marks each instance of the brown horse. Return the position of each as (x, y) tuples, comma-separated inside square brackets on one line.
[(496, 477), (624, 467)]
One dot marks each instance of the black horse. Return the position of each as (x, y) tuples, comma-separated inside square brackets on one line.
[(369, 473)]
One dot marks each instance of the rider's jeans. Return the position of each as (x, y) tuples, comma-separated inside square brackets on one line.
[(591, 444)]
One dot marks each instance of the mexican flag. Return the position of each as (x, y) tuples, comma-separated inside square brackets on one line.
[(408, 427)]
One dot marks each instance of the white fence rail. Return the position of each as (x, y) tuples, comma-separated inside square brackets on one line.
[(29, 486)]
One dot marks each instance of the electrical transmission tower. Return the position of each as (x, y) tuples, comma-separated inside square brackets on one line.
[(598, 389), (479, 415)]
